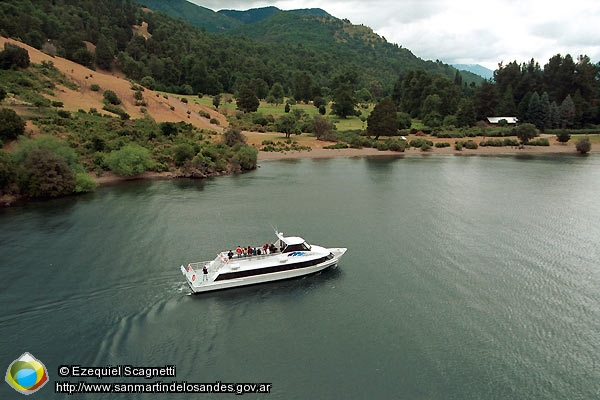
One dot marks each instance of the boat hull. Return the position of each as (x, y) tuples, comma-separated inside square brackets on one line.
[(198, 286)]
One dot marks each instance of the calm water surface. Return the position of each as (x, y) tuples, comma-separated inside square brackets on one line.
[(465, 278)]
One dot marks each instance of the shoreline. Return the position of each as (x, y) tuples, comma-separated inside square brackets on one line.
[(109, 178), (318, 153)]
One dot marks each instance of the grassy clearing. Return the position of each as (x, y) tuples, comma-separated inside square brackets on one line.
[(592, 138)]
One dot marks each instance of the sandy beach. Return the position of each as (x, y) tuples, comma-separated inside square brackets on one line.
[(370, 152)]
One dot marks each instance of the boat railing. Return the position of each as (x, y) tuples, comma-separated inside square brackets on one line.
[(222, 259)]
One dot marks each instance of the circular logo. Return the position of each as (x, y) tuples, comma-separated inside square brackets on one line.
[(26, 374)]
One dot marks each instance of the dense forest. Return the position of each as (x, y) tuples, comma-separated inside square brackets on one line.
[(278, 56), (309, 55)]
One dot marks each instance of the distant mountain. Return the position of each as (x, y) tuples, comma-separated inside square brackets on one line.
[(258, 14), (476, 69), (194, 14), (322, 42)]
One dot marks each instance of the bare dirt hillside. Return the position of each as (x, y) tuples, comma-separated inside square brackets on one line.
[(158, 107)]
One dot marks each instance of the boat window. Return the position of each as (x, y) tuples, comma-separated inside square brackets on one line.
[(297, 247)]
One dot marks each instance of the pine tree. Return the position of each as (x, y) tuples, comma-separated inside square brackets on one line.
[(247, 100), (567, 111), (383, 120)]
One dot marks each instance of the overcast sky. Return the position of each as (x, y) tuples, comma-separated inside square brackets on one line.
[(465, 31)]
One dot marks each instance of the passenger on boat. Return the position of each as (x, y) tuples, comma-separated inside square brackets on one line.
[(230, 254), (249, 251), (205, 276), (239, 251), (272, 248)]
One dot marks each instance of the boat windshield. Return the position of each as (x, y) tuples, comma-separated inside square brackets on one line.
[(296, 247)]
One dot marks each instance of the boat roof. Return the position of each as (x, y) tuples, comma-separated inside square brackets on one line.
[(290, 240)]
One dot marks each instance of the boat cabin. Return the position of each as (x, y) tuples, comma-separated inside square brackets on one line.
[(292, 243)]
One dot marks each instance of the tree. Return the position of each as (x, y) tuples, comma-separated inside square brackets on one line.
[(168, 128), (46, 174), (130, 160), (233, 136), (583, 145), (148, 82), (303, 86), (554, 117), (567, 111), (535, 112), (13, 56), (277, 93), (383, 120), (404, 120), (343, 101), (323, 128), (525, 132), (105, 54), (247, 100), (216, 100), (563, 136), (11, 124), (466, 115), (287, 124), (8, 171), (433, 119)]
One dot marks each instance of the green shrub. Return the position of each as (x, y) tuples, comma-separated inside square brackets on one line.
[(420, 142), (563, 136), (381, 146), (469, 144), (441, 145), (11, 124), (458, 145), (397, 145), (510, 142), (57, 104), (94, 87), (246, 157), (183, 153), (539, 142), (336, 146), (130, 160), (116, 110), (8, 171), (492, 143), (84, 183), (46, 174), (232, 136), (111, 97), (64, 114), (583, 145)]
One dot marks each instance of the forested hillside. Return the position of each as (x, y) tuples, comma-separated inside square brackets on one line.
[(185, 59)]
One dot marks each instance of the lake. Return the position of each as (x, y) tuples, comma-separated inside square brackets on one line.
[(465, 278)]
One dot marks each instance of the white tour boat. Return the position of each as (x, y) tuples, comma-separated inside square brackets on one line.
[(288, 257)]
